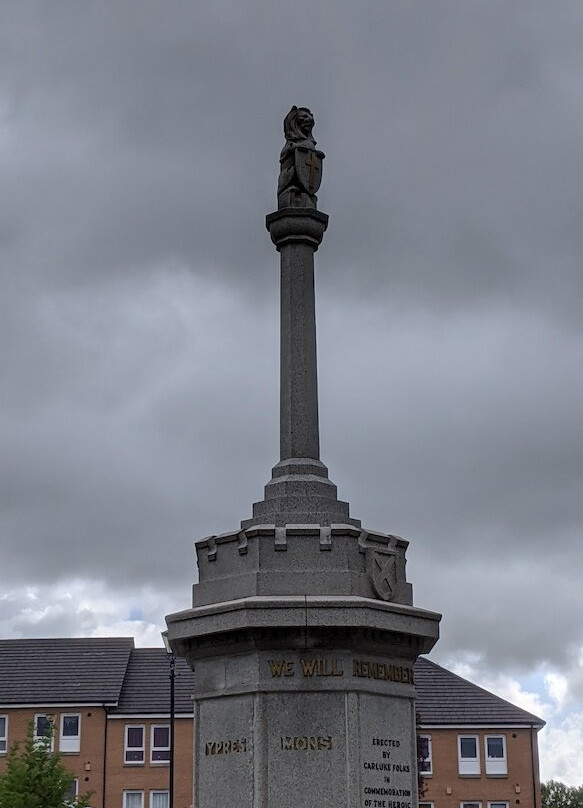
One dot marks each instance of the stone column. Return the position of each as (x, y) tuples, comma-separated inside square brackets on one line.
[(297, 234), (302, 632), (300, 490)]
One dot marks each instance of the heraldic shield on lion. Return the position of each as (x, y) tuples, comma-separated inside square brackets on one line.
[(300, 162)]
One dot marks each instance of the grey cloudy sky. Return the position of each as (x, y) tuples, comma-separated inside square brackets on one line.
[(138, 316)]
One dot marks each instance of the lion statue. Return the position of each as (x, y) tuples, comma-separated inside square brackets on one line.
[(297, 129)]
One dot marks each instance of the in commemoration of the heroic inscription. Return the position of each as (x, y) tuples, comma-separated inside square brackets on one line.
[(386, 758), (387, 744)]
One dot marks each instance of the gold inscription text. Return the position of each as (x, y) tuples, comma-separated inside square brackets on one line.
[(322, 667), (225, 747), (281, 667), (380, 670), (306, 743)]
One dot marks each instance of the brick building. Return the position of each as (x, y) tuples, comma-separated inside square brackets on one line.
[(481, 751), (108, 703)]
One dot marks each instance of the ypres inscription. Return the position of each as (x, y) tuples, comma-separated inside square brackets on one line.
[(325, 666), (225, 747)]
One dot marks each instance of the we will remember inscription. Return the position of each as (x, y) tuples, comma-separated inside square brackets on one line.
[(332, 666)]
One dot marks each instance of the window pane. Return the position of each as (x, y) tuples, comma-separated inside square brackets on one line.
[(71, 792), (468, 749), (133, 799), (135, 737), (161, 736), (160, 752), (495, 747), (160, 799), (134, 751), (70, 726), (43, 726), (2, 726), (424, 754)]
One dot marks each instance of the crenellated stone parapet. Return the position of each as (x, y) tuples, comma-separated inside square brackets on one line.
[(338, 559)]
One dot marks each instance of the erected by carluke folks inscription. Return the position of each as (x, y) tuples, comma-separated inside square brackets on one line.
[(387, 774)]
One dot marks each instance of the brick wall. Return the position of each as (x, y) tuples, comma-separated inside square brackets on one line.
[(87, 764), (148, 776), (520, 787), (103, 757)]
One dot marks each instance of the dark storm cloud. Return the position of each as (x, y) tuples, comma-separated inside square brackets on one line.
[(138, 334), (139, 134)]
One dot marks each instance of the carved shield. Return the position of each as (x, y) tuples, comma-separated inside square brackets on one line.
[(381, 566), (308, 164)]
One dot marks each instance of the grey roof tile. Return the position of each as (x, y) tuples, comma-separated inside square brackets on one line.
[(445, 698), (146, 688), (63, 671), (135, 681)]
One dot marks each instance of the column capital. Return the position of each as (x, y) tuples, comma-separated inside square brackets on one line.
[(296, 225)]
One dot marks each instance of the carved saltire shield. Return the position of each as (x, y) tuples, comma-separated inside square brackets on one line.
[(381, 566), (308, 164)]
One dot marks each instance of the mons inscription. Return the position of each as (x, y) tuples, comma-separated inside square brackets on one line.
[(306, 743)]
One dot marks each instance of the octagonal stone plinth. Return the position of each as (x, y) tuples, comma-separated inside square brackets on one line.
[(304, 701)]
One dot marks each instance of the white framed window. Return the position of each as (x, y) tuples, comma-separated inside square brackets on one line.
[(3, 734), (134, 745), (70, 738), (133, 799), (43, 728), (72, 791), (470, 805), (495, 754), (159, 799), (159, 743), (498, 805), (468, 756), (425, 760), (425, 805)]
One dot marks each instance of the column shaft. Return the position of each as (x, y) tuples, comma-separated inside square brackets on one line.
[(299, 431)]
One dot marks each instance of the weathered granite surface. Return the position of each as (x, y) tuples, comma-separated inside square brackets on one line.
[(299, 490), (310, 559), (300, 171), (303, 632), (304, 700)]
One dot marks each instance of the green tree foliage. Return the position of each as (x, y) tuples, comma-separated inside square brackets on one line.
[(558, 795), (36, 778)]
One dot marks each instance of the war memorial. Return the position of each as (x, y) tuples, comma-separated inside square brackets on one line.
[(302, 634)]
